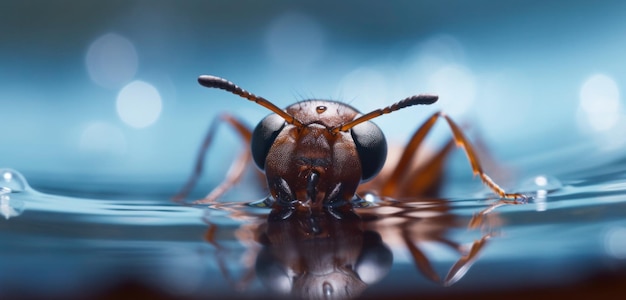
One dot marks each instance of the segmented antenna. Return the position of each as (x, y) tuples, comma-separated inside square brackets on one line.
[(410, 101), (223, 84)]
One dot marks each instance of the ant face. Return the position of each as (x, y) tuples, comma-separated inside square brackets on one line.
[(310, 165)]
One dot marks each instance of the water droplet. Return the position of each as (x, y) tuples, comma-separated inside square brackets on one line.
[(327, 288), (12, 181), (368, 200), (541, 184)]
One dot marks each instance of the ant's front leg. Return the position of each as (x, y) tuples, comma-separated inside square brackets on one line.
[(235, 171), (402, 170)]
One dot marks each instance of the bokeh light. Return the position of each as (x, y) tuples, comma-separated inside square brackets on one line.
[(456, 88), (367, 85), (295, 41), (139, 104), (600, 114), (615, 242), (111, 60), (101, 138), (433, 53), (507, 85), (600, 108)]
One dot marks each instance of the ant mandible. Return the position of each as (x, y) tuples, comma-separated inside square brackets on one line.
[(315, 153)]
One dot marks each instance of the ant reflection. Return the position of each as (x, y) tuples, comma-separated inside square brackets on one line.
[(323, 255), (338, 254), (320, 256)]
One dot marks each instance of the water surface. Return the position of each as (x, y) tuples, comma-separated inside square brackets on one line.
[(572, 230)]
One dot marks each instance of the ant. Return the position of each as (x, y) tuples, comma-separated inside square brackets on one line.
[(316, 153)]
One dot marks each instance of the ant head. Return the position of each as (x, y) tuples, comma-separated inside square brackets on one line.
[(369, 140), (316, 150)]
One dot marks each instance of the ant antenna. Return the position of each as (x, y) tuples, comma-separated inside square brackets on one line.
[(410, 101), (223, 84)]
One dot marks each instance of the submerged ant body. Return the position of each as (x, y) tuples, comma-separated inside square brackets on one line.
[(315, 153)]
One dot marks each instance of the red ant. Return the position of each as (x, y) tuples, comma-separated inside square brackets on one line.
[(315, 153)]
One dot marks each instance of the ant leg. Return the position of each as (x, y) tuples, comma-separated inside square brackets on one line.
[(426, 179), (462, 141), (419, 258), (422, 176), (234, 173), (402, 168), (390, 187)]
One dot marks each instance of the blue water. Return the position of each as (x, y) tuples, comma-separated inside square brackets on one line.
[(70, 246)]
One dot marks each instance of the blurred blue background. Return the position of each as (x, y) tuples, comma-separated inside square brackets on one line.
[(107, 89)]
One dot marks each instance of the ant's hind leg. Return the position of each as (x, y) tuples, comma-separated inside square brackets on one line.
[(427, 178), (236, 170), (462, 141), (409, 180), (402, 169)]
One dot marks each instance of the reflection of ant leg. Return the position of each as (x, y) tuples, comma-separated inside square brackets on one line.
[(479, 218), (420, 259), (458, 270), (487, 221), (402, 168), (236, 170), (249, 273)]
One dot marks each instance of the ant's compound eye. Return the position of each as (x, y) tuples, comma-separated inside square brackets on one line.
[(371, 147), (263, 137)]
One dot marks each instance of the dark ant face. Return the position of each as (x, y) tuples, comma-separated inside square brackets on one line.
[(369, 140), (313, 163)]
